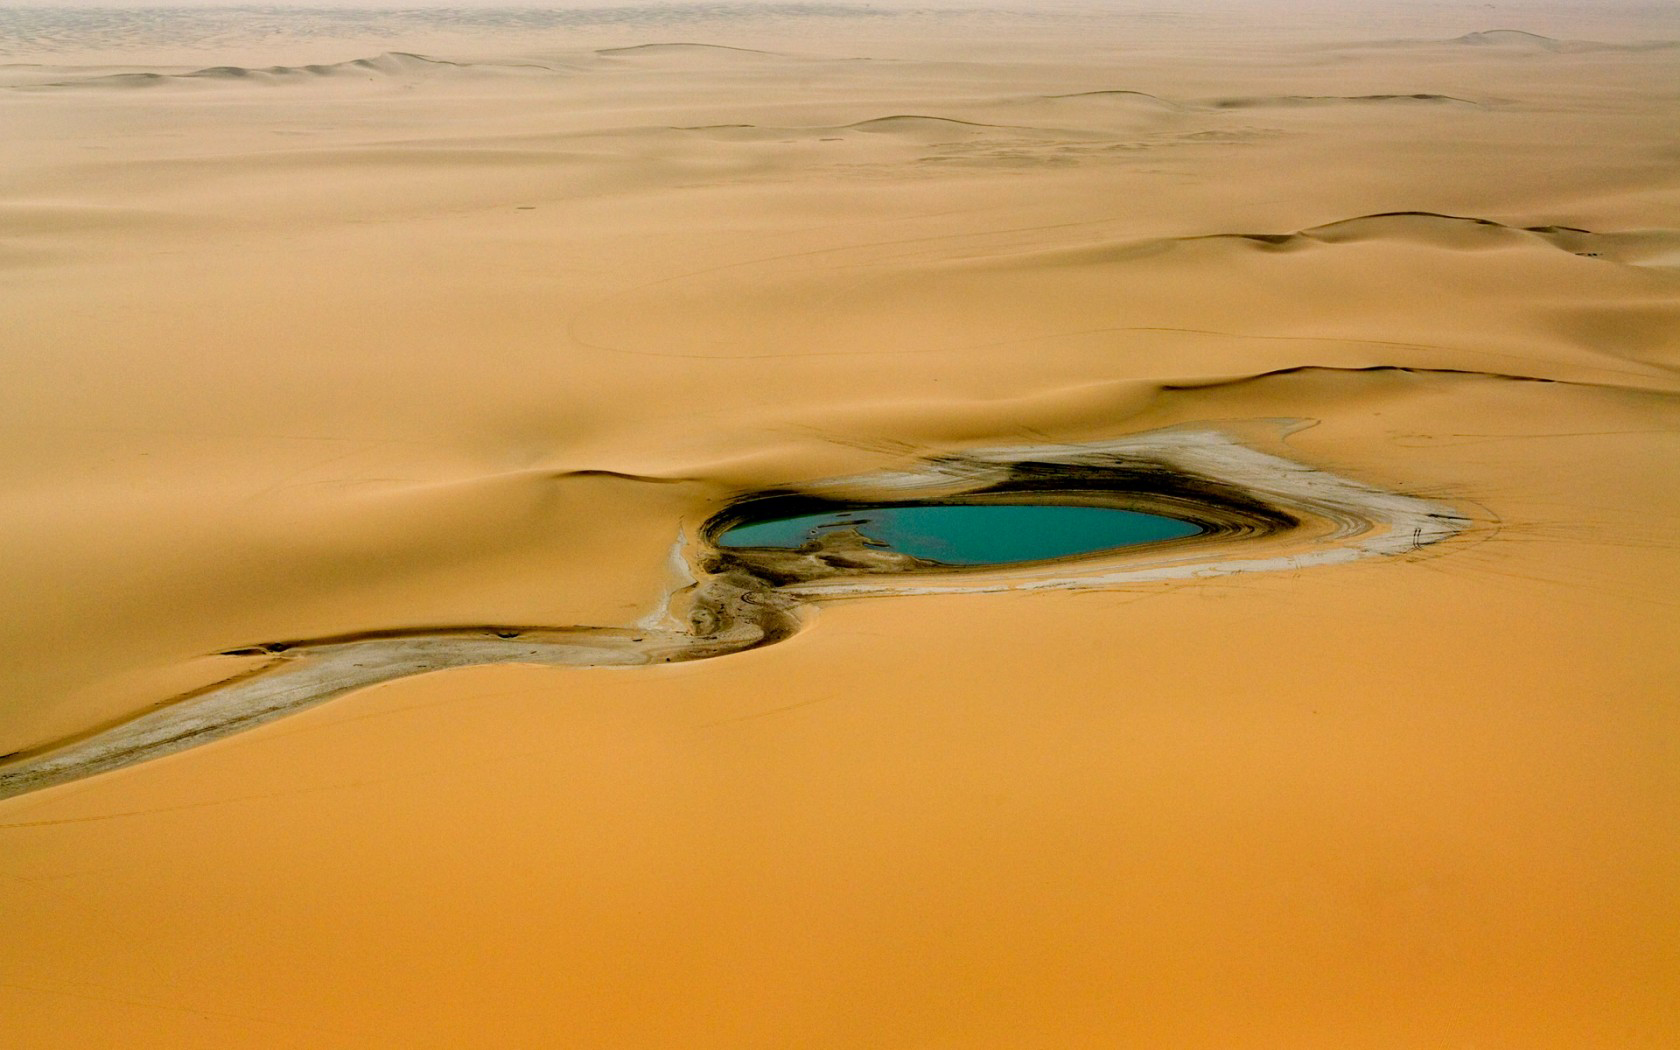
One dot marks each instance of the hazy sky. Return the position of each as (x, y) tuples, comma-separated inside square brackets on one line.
[(1653, 19), (1493, 8), (581, 4)]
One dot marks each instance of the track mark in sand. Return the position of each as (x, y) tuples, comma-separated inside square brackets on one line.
[(1297, 101), (432, 775), (184, 807), (755, 715), (1256, 512), (158, 1004)]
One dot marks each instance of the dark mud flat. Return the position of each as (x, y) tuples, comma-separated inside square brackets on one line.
[(1036, 512), (1208, 505)]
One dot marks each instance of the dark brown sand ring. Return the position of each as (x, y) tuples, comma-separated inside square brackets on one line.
[(1256, 512)]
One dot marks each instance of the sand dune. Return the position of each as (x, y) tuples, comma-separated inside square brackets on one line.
[(1516, 39), (376, 674), (909, 124), (681, 49), (1523, 42), (1641, 247), (1117, 95), (915, 122), (1429, 228), (1011, 291), (391, 65)]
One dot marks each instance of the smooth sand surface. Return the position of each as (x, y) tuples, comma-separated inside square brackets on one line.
[(340, 327)]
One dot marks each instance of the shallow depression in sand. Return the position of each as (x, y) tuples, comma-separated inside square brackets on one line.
[(969, 534)]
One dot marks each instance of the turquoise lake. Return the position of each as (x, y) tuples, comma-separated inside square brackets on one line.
[(972, 534)]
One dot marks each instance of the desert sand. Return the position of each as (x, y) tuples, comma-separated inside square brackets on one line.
[(342, 346)]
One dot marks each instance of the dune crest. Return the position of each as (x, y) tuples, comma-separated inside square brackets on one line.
[(1519, 42), (917, 122), (1117, 95), (1516, 39), (1462, 233), (393, 65), (684, 48)]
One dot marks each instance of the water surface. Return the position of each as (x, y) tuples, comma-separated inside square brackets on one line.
[(971, 534)]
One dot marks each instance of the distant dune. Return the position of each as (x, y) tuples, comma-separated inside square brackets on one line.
[(915, 123), (390, 65), (1515, 39), (680, 48), (1432, 228), (1521, 41), (1445, 233), (1117, 95)]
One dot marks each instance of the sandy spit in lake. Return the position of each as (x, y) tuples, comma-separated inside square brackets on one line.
[(327, 333)]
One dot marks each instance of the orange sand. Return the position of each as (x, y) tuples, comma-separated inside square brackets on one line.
[(308, 353)]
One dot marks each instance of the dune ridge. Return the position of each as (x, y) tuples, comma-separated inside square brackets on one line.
[(921, 122), (390, 65), (890, 122), (26, 29), (1513, 38), (1116, 94), (1426, 225), (1521, 42), (1454, 233), (926, 128), (681, 47)]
